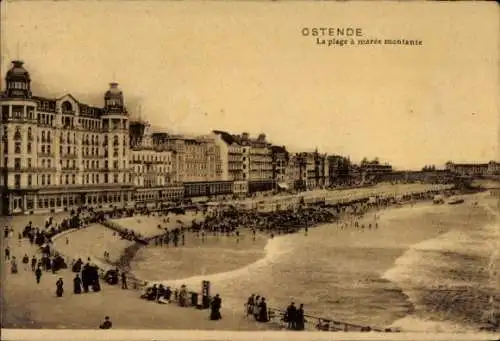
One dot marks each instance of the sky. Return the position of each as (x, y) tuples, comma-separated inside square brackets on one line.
[(191, 67)]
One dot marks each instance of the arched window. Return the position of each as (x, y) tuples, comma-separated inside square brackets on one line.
[(17, 135), (43, 136), (67, 107)]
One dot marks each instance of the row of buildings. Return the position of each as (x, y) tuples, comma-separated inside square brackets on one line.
[(59, 153), (491, 168)]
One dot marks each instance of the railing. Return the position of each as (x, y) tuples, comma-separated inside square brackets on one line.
[(311, 322)]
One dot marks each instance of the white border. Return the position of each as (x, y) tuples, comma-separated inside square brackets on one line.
[(181, 335)]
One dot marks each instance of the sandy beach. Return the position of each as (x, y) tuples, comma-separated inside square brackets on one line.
[(227, 264), (28, 305)]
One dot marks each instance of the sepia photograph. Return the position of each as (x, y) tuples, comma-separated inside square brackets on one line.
[(174, 170)]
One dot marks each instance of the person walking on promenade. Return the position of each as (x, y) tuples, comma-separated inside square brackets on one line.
[(215, 308), (291, 316), (7, 253), (77, 285), (13, 265), (250, 305), (263, 315), (26, 261), (38, 274), (300, 322), (256, 308), (33, 263), (59, 287), (124, 280), (107, 324)]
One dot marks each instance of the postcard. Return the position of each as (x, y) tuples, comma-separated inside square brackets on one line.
[(225, 170)]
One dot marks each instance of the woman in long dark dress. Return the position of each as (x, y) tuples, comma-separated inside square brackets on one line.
[(77, 285), (215, 308), (299, 325), (263, 316), (60, 287)]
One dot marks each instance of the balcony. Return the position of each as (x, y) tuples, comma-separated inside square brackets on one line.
[(45, 154)]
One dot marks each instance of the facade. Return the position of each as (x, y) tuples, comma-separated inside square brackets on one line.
[(470, 169), (280, 159), (339, 170), (198, 164), (375, 168), (59, 153), (153, 168), (234, 162), (296, 172), (258, 163)]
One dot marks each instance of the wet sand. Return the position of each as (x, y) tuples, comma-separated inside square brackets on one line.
[(215, 254)]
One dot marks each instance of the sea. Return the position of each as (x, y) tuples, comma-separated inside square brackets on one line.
[(426, 268)]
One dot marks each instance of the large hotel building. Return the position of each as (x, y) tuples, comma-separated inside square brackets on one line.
[(59, 153)]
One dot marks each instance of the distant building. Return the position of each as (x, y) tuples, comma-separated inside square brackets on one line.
[(470, 169)]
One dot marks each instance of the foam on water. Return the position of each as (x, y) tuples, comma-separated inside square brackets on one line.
[(450, 276), (274, 249)]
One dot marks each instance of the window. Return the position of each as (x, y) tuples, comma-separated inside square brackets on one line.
[(67, 179), (48, 163), (115, 164), (48, 179), (73, 180), (48, 149), (29, 147), (6, 147), (17, 180), (30, 180), (29, 163), (17, 148), (43, 179), (17, 163), (106, 178), (115, 178)]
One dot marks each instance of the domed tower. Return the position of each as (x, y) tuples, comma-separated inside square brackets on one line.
[(113, 100), (115, 123), (18, 134), (18, 81)]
